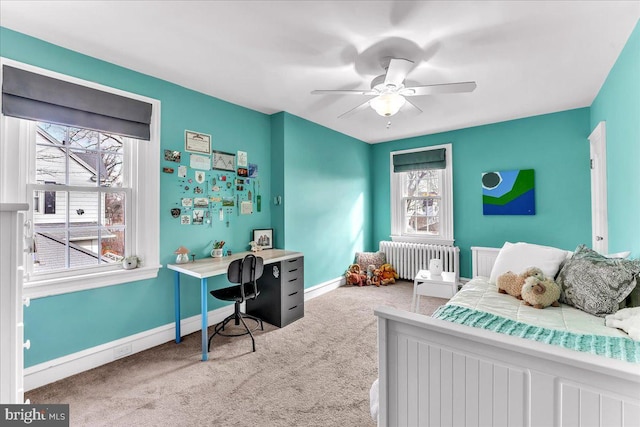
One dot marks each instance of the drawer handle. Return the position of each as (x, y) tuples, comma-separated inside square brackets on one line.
[(293, 293), (294, 307), (293, 280), (291, 271), (293, 260)]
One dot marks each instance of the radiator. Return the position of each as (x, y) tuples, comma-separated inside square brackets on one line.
[(409, 258)]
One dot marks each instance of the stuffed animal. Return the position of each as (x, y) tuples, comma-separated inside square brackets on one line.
[(355, 276), (511, 283), (373, 275), (540, 293), (388, 274), (627, 319)]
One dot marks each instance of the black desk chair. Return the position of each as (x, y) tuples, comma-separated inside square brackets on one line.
[(246, 272)]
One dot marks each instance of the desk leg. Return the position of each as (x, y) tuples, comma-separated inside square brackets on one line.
[(205, 322), (176, 302)]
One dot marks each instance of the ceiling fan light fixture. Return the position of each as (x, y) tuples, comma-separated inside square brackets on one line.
[(387, 104)]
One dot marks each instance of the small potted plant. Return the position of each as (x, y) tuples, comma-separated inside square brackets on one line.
[(131, 262)]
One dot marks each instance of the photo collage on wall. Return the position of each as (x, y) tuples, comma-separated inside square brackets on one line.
[(213, 184)]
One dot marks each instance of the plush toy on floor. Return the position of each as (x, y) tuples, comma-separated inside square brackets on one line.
[(355, 276), (540, 293), (511, 283), (388, 274), (373, 275), (627, 319)]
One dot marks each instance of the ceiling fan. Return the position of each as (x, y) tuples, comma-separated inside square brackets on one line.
[(389, 92)]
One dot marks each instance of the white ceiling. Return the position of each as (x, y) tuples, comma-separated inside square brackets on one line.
[(527, 57)]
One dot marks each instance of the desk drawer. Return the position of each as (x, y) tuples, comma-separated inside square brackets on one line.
[(292, 264), (293, 298), (293, 313), (291, 272)]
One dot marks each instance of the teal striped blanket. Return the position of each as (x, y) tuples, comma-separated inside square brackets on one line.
[(619, 348)]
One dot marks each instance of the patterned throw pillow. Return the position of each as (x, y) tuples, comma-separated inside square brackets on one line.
[(597, 284), (365, 259)]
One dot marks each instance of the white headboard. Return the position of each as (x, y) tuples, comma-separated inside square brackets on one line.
[(482, 260)]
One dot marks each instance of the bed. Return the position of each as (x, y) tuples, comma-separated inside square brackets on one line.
[(434, 372)]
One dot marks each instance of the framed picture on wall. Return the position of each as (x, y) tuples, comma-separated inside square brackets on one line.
[(197, 142), (263, 237)]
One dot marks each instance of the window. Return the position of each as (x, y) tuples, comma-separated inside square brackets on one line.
[(87, 172), (422, 195), (94, 196)]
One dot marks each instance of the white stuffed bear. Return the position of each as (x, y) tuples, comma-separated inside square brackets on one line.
[(627, 319)]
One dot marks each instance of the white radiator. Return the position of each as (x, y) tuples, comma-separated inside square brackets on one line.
[(408, 258)]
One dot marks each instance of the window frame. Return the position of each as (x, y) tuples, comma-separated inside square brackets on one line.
[(144, 204), (398, 233)]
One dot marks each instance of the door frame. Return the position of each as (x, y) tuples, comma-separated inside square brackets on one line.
[(598, 165)]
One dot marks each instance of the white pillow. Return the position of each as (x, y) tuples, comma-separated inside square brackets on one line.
[(517, 257)]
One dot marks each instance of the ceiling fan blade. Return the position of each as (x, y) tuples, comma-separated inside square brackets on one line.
[(397, 71), (438, 89), (344, 92), (354, 110), (413, 107)]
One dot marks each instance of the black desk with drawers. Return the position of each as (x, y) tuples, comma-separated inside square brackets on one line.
[(281, 299)]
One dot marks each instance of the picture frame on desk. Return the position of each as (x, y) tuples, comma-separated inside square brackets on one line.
[(263, 237)]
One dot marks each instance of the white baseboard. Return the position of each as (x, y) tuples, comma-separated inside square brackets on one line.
[(323, 288), (53, 370)]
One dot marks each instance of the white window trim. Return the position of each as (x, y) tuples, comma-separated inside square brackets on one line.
[(397, 233), (145, 201)]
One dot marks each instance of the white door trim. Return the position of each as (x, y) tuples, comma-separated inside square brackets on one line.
[(598, 155)]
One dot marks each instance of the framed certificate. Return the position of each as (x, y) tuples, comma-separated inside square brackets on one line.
[(197, 142)]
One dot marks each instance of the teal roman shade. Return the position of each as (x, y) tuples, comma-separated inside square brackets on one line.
[(428, 159), (32, 96)]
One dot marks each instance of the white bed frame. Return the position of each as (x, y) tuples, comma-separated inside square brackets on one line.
[(437, 373)]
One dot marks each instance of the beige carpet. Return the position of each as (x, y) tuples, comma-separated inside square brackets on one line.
[(315, 372)]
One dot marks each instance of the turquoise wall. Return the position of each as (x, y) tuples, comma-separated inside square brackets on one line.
[(65, 324), (618, 104), (554, 145), (327, 197)]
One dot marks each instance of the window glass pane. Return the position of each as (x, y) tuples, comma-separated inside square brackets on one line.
[(84, 138), (113, 245), (49, 131), (83, 247), (84, 209), (83, 168), (111, 143), (53, 208), (111, 169), (50, 244), (51, 164), (114, 208)]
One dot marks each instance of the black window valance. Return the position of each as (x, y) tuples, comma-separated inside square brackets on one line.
[(427, 159), (32, 96)]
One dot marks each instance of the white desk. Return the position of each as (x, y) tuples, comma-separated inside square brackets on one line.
[(209, 267), (444, 286)]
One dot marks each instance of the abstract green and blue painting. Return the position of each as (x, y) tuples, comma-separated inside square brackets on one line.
[(508, 193)]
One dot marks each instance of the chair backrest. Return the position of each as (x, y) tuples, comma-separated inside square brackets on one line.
[(246, 270)]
